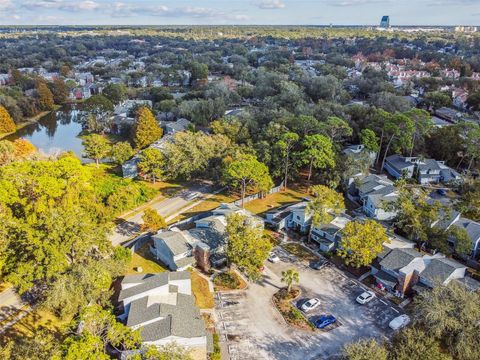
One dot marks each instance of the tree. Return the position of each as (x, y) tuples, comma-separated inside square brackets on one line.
[(247, 172), (326, 201), (167, 352), (362, 242), (97, 330), (152, 163), (199, 71), (368, 349), (436, 99), (318, 153), (153, 221), (286, 144), (413, 343), (246, 247), (473, 101), (116, 93), (289, 277), (98, 113), (121, 152), (7, 152), (23, 148), (451, 313), (96, 147), (45, 96), (336, 129), (59, 91), (147, 130), (370, 140), (6, 122)]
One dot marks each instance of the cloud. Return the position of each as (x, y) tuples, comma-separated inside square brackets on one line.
[(453, 2), (348, 3), (85, 5), (270, 4), (5, 4)]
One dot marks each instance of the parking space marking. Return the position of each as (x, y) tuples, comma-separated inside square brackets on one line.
[(391, 307), (383, 302)]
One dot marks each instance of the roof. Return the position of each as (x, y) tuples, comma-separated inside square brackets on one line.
[(374, 183), (385, 278), (399, 258), (470, 283), (472, 228), (151, 282), (399, 162), (440, 270), (175, 241)]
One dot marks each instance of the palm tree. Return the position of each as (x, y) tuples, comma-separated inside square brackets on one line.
[(289, 277)]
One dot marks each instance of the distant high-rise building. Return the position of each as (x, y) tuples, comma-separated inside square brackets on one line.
[(466, 29), (385, 22)]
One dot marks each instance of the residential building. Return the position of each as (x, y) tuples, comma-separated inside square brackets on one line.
[(385, 22), (328, 236), (373, 193), (426, 171), (124, 107), (161, 306), (204, 245), (403, 270), (172, 127), (358, 152)]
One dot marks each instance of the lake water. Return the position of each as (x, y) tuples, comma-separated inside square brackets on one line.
[(54, 133)]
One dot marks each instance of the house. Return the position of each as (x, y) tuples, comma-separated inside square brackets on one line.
[(403, 270), (126, 106), (373, 193), (171, 127), (204, 245), (426, 171), (295, 217), (358, 152), (473, 231), (328, 236), (163, 308)]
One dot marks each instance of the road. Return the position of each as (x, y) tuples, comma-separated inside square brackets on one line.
[(10, 303), (168, 208)]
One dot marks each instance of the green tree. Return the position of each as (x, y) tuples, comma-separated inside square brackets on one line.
[(336, 129), (370, 140), (152, 163), (147, 130), (96, 147), (45, 96), (168, 352), (153, 221), (473, 101), (116, 93), (451, 313), (247, 247), (7, 152), (59, 91), (98, 113), (413, 343), (6, 122), (368, 349), (362, 242), (436, 99), (247, 172), (199, 71), (318, 153), (121, 152), (289, 277), (326, 202), (286, 144)]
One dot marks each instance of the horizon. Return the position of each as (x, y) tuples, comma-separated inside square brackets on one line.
[(239, 12)]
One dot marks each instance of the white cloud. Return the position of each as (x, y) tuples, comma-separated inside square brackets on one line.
[(348, 3), (270, 4)]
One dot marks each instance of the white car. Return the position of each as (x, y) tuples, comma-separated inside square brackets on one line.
[(399, 322), (365, 297), (310, 305), (273, 258)]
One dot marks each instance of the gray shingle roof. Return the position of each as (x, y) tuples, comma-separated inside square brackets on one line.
[(398, 162), (176, 242), (440, 269), (472, 228), (398, 258), (152, 282)]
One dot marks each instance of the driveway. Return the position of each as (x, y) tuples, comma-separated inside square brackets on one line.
[(251, 328), (168, 208)]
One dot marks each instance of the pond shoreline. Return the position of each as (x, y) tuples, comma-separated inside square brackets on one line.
[(29, 121)]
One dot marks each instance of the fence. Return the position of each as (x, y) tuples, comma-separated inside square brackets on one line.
[(259, 195)]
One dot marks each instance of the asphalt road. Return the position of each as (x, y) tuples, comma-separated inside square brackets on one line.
[(168, 208)]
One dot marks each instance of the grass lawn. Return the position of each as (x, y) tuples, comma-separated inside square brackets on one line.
[(144, 259), (36, 319), (299, 251), (206, 205), (229, 280), (275, 200), (203, 296)]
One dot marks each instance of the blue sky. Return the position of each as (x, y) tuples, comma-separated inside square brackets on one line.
[(158, 12)]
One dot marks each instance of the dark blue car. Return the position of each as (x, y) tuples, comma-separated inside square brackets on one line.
[(324, 321)]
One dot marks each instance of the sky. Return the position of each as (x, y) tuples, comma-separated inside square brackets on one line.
[(209, 12)]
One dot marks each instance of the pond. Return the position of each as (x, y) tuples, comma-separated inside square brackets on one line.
[(54, 133)]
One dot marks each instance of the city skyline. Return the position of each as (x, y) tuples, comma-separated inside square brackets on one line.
[(238, 12)]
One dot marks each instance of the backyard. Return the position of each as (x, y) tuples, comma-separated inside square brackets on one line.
[(144, 259), (275, 200)]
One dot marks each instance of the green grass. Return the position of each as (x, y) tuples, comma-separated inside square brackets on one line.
[(201, 291), (299, 251), (229, 280), (143, 258), (275, 200)]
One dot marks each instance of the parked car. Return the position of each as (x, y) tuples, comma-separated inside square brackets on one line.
[(310, 304), (365, 297), (324, 321), (317, 265), (273, 258), (442, 192), (399, 322)]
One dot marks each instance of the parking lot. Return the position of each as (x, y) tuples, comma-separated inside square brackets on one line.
[(251, 328)]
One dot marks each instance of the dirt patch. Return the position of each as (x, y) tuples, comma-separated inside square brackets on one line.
[(229, 280), (282, 301)]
